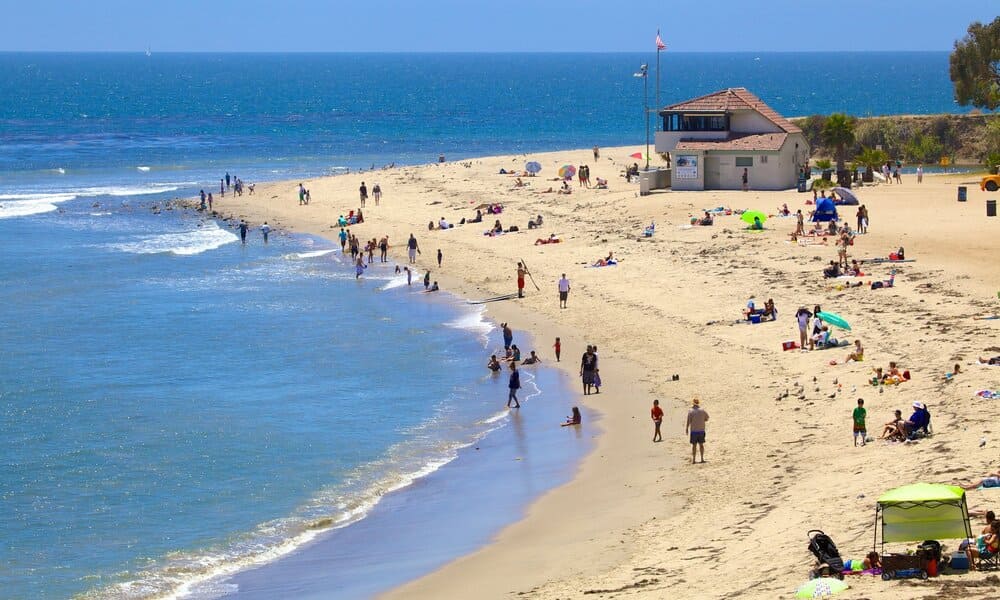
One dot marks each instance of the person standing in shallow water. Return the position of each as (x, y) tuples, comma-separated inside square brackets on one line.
[(508, 336), (513, 384), (243, 232)]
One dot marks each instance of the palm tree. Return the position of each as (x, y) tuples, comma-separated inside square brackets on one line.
[(871, 159), (838, 133)]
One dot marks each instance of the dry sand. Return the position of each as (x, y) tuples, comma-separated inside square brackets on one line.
[(639, 519)]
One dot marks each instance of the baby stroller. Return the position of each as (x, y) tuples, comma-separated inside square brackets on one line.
[(826, 553)]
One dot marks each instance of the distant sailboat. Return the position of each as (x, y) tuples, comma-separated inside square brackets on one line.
[(148, 52)]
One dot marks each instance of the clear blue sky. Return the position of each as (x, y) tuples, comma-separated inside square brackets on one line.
[(485, 26)]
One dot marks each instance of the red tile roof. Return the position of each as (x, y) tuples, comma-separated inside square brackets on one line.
[(735, 99), (765, 142)]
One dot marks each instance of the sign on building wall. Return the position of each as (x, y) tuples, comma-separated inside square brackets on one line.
[(686, 167)]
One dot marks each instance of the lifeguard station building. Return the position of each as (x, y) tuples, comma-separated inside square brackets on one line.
[(712, 139)]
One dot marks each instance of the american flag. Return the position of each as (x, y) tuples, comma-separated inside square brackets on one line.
[(659, 42)]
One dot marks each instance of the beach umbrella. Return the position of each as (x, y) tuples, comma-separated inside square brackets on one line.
[(834, 319), (567, 171), (846, 196), (532, 167), (821, 588), (638, 155), (748, 216)]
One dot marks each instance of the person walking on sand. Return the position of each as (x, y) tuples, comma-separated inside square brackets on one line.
[(513, 384), (558, 348), (588, 370), (521, 271), (266, 230), (746, 181), (695, 426), (920, 173), (377, 193), (412, 249), (859, 416), (363, 192), (440, 257), (656, 413), (802, 316), (597, 153), (563, 291)]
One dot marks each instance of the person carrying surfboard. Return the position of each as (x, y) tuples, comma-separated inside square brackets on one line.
[(521, 272)]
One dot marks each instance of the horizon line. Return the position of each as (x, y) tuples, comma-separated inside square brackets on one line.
[(400, 52)]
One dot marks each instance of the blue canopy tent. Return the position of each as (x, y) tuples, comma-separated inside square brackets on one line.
[(825, 211)]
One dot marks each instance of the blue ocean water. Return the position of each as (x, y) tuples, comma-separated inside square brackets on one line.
[(173, 404)]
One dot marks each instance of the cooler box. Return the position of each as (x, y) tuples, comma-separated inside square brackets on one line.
[(789, 345), (959, 562), (755, 319)]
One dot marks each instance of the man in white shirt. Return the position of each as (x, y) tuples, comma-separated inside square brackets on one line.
[(563, 291)]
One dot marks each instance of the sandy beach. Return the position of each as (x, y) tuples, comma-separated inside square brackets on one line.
[(638, 519)]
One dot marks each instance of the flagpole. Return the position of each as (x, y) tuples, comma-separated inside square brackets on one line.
[(657, 105)]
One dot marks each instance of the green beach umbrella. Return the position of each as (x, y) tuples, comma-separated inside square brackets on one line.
[(748, 216), (821, 588), (834, 319)]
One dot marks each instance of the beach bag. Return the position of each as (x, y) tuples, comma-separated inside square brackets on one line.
[(513, 228), (877, 285)]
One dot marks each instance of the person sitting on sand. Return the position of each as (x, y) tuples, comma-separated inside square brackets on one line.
[(991, 480), (531, 360), (494, 364), (478, 218), (919, 421), (443, 224), (552, 239), (832, 271), (602, 184), (784, 211), (757, 225), (609, 260), (565, 189), (434, 287), (706, 220), (518, 183), (858, 354), (769, 310), (821, 338), (831, 229), (535, 223), (497, 227), (894, 430), (575, 419), (986, 546)]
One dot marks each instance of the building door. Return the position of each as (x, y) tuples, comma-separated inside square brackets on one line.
[(713, 173)]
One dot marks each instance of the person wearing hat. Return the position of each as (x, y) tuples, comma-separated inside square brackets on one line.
[(920, 420), (695, 426)]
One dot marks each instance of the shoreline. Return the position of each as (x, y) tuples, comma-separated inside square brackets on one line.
[(632, 504)]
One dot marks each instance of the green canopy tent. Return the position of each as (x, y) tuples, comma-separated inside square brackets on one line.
[(922, 511)]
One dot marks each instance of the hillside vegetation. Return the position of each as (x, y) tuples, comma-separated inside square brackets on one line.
[(914, 138)]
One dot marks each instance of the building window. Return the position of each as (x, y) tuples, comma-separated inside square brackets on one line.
[(763, 159), (682, 122), (744, 161)]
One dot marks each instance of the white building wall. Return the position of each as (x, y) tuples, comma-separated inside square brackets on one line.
[(677, 179), (749, 121), (666, 141)]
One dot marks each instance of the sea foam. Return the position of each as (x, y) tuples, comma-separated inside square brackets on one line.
[(207, 237), (23, 205)]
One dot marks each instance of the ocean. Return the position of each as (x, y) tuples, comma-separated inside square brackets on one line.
[(177, 408)]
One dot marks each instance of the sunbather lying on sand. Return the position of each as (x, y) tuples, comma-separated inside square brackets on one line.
[(991, 480), (989, 361), (552, 239)]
